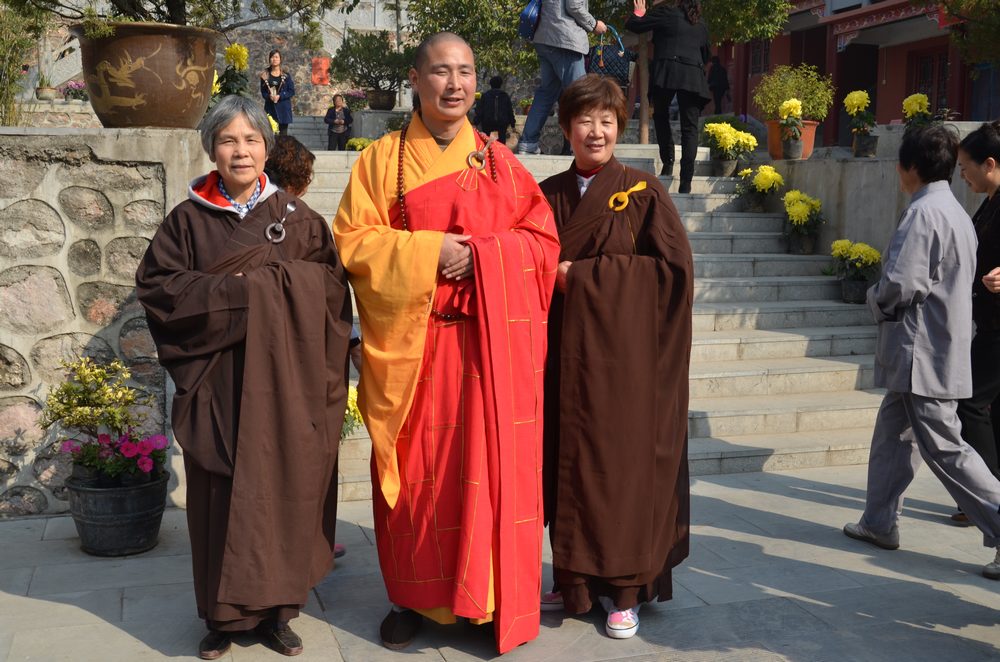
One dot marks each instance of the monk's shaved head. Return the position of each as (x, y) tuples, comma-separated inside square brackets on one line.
[(424, 49)]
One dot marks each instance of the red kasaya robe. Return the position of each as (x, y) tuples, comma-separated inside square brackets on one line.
[(451, 384)]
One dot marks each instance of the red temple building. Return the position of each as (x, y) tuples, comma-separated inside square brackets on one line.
[(890, 48)]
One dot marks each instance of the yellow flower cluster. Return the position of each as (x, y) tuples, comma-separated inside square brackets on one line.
[(841, 249), (728, 141), (238, 56), (862, 255), (800, 207), (767, 179), (216, 88), (790, 108), (746, 172), (916, 104), (352, 417), (274, 125), (856, 101)]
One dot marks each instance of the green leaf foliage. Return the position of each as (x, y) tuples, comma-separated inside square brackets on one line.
[(977, 36), (18, 37), (740, 21), (369, 60), (803, 82)]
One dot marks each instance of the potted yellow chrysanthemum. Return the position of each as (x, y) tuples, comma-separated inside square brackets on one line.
[(857, 265), (790, 121), (727, 145), (862, 122), (805, 219), (756, 185), (916, 110)]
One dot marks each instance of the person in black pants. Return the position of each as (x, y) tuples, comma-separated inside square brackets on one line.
[(680, 53), (494, 111), (718, 82), (338, 124), (979, 162)]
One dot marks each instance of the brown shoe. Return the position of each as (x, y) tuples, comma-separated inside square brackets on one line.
[(280, 637), (214, 645), (961, 519), (400, 628)]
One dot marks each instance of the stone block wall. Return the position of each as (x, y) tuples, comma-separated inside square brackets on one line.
[(59, 113), (77, 209)]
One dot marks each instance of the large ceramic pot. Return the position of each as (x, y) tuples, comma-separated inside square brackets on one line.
[(149, 74), (854, 291), (774, 141), (864, 146), (381, 99), (117, 521)]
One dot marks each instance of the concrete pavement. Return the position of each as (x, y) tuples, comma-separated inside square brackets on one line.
[(770, 577)]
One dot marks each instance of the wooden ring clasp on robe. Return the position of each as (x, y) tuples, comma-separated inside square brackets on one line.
[(477, 158)]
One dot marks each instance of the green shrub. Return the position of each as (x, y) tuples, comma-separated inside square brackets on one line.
[(358, 144), (803, 82)]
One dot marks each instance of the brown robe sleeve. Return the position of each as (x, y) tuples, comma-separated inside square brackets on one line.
[(190, 312)]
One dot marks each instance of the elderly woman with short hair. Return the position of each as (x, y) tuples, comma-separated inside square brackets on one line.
[(230, 284)]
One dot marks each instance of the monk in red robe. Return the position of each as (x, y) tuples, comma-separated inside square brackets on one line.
[(451, 250), (247, 302), (616, 477)]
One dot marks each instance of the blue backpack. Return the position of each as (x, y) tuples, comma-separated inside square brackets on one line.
[(528, 22)]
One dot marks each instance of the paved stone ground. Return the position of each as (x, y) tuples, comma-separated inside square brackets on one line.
[(770, 577)]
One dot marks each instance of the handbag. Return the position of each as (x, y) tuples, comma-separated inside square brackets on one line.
[(528, 22)]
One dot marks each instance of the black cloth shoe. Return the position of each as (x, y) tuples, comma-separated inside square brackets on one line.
[(399, 628), (280, 637), (667, 170), (214, 645), (685, 187)]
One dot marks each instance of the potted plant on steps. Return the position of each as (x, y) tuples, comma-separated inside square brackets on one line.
[(727, 146), (804, 215), (857, 265), (864, 143), (369, 60), (118, 487), (790, 113), (757, 185), (44, 90), (802, 82)]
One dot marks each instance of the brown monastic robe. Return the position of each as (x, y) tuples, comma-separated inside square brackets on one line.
[(616, 475), (259, 362)]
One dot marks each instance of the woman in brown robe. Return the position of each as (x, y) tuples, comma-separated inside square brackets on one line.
[(616, 398), (246, 300)]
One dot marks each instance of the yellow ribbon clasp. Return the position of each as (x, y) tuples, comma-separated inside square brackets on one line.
[(619, 200)]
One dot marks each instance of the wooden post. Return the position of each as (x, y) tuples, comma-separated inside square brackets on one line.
[(644, 89)]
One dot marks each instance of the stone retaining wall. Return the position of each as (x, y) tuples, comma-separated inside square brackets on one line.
[(77, 209)]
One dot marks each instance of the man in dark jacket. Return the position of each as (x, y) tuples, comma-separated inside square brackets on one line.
[(494, 111)]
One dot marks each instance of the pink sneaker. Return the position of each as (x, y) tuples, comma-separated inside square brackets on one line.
[(552, 601), (622, 624)]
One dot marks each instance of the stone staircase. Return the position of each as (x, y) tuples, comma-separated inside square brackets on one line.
[(781, 370)]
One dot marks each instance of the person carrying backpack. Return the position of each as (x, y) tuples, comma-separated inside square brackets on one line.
[(494, 111)]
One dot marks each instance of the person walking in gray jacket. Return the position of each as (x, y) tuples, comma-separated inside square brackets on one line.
[(561, 42), (923, 307)]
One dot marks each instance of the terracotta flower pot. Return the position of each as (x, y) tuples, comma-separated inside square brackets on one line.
[(149, 74), (808, 138)]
